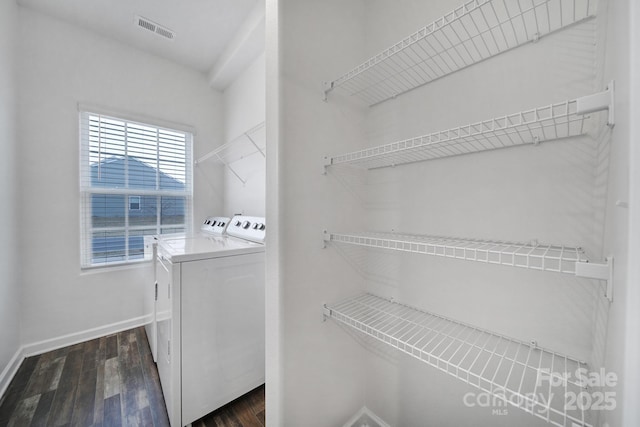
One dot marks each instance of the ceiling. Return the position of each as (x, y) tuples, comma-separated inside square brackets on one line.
[(206, 31)]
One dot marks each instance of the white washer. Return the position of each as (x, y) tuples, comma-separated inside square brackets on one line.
[(211, 346)]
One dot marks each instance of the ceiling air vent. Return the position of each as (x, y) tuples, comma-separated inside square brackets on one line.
[(149, 25)]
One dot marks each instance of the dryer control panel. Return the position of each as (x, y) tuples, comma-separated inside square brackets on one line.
[(215, 225), (252, 228)]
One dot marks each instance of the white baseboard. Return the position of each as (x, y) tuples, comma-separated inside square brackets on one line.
[(10, 370), (365, 413), (78, 337), (44, 346)]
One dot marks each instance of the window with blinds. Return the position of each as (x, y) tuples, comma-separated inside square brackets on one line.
[(135, 181)]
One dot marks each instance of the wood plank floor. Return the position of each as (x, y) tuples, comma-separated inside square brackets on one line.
[(110, 381)]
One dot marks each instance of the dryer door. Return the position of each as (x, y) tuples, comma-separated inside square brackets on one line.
[(222, 306)]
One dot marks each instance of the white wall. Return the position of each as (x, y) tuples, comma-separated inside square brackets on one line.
[(244, 108), (9, 280), (617, 238), (323, 371), (630, 409), (550, 192), (59, 66), (274, 318)]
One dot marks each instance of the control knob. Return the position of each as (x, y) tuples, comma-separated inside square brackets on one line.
[(246, 224)]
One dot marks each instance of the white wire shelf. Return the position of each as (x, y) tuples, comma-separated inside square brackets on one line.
[(551, 122), (515, 372), (251, 142), (535, 256), (473, 32)]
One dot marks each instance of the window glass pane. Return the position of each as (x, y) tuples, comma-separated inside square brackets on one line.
[(107, 210), (132, 155), (169, 230), (146, 214), (142, 174), (172, 154), (172, 210), (107, 246), (142, 143), (171, 176), (108, 173), (141, 168), (106, 138), (136, 243)]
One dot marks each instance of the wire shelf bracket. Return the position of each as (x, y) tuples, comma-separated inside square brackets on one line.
[(238, 148), (533, 255), (551, 122), (599, 101), (599, 272), (518, 373), (473, 32), (326, 313), (326, 162)]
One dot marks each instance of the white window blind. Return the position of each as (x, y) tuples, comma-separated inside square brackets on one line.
[(135, 180)]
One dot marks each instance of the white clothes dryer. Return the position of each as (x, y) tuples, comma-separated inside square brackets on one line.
[(211, 345)]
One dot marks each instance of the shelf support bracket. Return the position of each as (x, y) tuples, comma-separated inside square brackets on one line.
[(228, 166), (326, 88), (326, 237), (326, 162), (598, 102), (326, 313), (255, 145), (600, 272)]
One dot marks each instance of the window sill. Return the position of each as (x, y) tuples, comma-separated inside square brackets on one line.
[(114, 266)]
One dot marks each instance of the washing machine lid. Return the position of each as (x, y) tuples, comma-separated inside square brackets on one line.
[(197, 247)]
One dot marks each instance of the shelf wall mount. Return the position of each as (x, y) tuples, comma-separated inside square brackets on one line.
[(326, 313), (326, 162), (598, 102), (598, 271)]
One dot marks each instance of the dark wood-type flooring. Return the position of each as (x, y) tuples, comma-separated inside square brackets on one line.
[(109, 381)]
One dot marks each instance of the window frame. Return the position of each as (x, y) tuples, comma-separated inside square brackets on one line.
[(87, 229)]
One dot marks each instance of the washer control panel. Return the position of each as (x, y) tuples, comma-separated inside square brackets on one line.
[(215, 225), (251, 228)]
